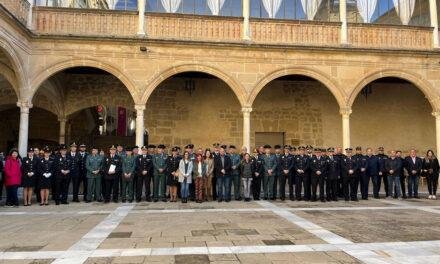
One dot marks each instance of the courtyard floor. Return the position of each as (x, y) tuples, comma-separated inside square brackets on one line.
[(373, 231)]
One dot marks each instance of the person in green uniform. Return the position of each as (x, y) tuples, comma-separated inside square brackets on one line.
[(236, 178), (94, 169), (128, 171), (160, 165), (269, 166)]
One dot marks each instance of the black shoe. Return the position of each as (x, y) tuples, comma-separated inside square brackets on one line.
[(64, 202), (219, 200), (292, 198), (99, 200), (164, 200), (124, 201), (116, 201), (130, 201), (257, 199), (75, 200), (265, 198), (138, 200), (106, 201), (57, 203), (87, 201), (156, 200), (228, 200)]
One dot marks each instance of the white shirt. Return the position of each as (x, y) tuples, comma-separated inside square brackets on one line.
[(199, 168)]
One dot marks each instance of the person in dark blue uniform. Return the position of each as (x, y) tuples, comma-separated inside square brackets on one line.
[(29, 176), (82, 170), (74, 171), (362, 176), (333, 175), (112, 169), (144, 165), (349, 168), (62, 174), (172, 173), (382, 172), (46, 169), (301, 164), (318, 168), (285, 172)]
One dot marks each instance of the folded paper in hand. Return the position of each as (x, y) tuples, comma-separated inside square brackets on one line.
[(47, 174), (112, 168)]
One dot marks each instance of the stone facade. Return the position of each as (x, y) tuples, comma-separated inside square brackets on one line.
[(245, 68)]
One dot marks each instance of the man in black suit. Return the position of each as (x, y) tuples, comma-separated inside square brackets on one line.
[(222, 171), (414, 167)]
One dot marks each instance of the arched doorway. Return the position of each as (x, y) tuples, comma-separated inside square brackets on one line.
[(393, 113), (81, 93), (193, 107), (295, 110)]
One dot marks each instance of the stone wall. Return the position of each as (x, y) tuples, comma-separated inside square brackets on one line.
[(210, 114), (396, 116)]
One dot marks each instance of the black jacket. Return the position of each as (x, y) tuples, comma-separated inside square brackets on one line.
[(218, 166)]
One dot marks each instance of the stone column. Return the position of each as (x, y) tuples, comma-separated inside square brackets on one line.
[(141, 18), (30, 24), (434, 22), (345, 112), (247, 127), (437, 130), (25, 106), (246, 25), (140, 128), (343, 18), (62, 138)]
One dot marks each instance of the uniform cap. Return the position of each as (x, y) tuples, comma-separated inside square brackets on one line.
[(46, 149), (73, 144), (161, 146), (301, 148), (112, 147), (287, 147), (63, 147), (144, 148), (216, 145), (331, 149), (30, 149), (348, 149), (224, 146), (175, 148), (380, 148), (309, 147), (82, 145)]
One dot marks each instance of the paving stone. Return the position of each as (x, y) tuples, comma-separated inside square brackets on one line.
[(193, 259), (120, 235), (242, 232), (278, 242)]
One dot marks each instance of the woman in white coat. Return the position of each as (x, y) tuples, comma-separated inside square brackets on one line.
[(185, 176)]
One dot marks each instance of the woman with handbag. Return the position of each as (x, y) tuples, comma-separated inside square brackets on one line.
[(185, 179), (430, 171)]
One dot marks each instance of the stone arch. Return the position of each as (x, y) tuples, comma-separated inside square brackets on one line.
[(338, 93), (424, 86), (236, 87), (115, 71), (18, 71)]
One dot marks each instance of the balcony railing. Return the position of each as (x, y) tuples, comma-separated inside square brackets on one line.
[(193, 27), (124, 24), (18, 8), (390, 37), (288, 32), (85, 22)]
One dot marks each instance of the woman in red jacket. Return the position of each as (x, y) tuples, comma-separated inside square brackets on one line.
[(12, 172)]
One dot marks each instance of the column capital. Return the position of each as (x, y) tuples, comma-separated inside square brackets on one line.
[(246, 110), (24, 106), (62, 119), (139, 107), (346, 111), (436, 114)]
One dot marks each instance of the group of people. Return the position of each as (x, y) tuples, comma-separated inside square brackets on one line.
[(200, 175)]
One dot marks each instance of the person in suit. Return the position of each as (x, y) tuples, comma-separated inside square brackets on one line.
[(414, 167), (278, 172), (373, 169), (269, 170), (46, 168), (215, 153), (362, 176), (74, 171), (393, 167), (29, 168), (112, 169), (236, 179), (431, 170), (382, 172), (402, 173), (222, 171), (258, 173)]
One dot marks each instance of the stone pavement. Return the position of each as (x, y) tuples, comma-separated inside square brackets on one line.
[(373, 231)]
